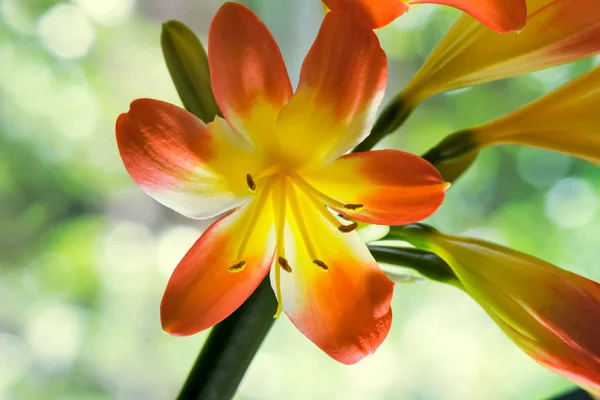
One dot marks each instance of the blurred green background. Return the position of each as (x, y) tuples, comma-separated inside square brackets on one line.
[(85, 255)]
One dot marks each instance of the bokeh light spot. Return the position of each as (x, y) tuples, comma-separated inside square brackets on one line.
[(542, 168), (55, 334), (66, 31), (172, 246), (107, 12), (14, 360), (571, 202)]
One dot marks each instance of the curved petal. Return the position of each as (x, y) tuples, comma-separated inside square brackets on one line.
[(202, 291), (196, 170), (550, 313), (565, 120), (341, 86), (557, 32), (344, 310), (500, 15), (372, 13), (395, 187), (248, 75)]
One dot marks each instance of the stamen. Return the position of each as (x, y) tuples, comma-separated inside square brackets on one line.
[(309, 189), (299, 217), (330, 217), (354, 207), (283, 263), (250, 182), (268, 172), (348, 228), (256, 209), (321, 264), (239, 267), (280, 238)]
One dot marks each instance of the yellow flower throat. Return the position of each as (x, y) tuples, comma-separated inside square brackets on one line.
[(282, 185)]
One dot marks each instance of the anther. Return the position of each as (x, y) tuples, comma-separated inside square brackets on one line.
[(354, 207), (250, 182), (283, 263), (321, 264), (348, 228), (239, 267)]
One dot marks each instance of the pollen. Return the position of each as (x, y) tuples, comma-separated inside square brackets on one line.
[(239, 267), (284, 264), (321, 264), (250, 182), (354, 207), (348, 228)]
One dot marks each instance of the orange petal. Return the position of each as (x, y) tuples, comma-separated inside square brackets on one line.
[(202, 291), (175, 158), (556, 32), (248, 75), (341, 86), (500, 15), (372, 13), (395, 187), (344, 310)]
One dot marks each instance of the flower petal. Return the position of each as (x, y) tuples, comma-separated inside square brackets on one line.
[(341, 86), (175, 158), (565, 120), (202, 291), (556, 32), (500, 15), (248, 75), (344, 310), (551, 314), (394, 187), (372, 13)]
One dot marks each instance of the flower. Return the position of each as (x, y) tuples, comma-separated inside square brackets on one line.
[(275, 161), (553, 315), (499, 15), (557, 32), (565, 120)]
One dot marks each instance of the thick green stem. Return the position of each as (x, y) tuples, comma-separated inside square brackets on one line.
[(426, 263), (392, 117), (230, 348)]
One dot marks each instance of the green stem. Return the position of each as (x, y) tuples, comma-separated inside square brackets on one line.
[(392, 117), (426, 263), (230, 348)]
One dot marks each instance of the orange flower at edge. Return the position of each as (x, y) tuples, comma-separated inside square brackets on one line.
[(500, 15), (275, 161), (552, 314)]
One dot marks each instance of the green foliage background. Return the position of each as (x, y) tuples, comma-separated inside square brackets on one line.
[(85, 256)]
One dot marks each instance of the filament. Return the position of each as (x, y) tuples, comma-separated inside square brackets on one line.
[(330, 217), (254, 213), (299, 217), (309, 189), (280, 240)]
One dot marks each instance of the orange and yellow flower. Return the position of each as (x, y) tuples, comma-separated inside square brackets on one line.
[(277, 160), (499, 15), (553, 315)]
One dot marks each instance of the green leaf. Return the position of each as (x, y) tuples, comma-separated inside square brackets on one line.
[(188, 65)]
